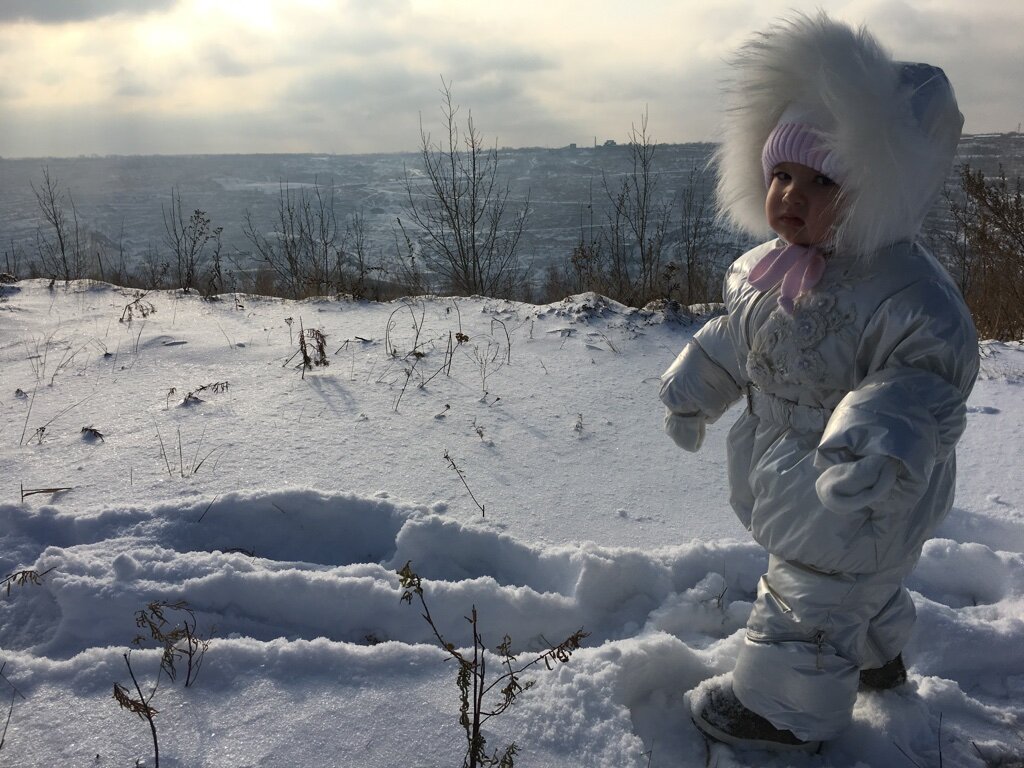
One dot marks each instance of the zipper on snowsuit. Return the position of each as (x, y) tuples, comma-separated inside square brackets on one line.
[(819, 640)]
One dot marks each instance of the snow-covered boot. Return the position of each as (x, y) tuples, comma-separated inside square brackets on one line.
[(725, 719), (889, 675)]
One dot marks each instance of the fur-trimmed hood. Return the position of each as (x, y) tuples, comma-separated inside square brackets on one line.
[(893, 126)]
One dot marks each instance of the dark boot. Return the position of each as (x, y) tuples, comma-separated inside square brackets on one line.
[(725, 719), (890, 675)]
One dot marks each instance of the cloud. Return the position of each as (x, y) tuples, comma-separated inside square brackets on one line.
[(127, 85), (222, 62), (66, 11), (977, 45), (483, 59), (8, 92), (356, 75), (381, 85)]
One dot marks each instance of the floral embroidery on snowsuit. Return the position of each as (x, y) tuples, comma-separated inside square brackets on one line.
[(784, 349)]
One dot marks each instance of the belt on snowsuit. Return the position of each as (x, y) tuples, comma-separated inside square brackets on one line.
[(785, 413)]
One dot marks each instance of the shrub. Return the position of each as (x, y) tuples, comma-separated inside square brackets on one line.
[(472, 680), (985, 251)]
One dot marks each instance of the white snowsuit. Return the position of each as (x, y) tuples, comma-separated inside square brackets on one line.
[(842, 462)]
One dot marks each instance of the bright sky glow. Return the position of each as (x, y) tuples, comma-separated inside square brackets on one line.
[(193, 76)]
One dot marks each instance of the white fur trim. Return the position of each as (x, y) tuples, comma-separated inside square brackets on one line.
[(892, 168)]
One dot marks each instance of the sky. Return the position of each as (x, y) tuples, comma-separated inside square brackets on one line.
[(357, 76)]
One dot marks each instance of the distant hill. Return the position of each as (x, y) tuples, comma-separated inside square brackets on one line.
[(120, 199)]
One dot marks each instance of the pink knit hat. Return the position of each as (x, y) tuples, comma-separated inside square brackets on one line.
[(797, 139)]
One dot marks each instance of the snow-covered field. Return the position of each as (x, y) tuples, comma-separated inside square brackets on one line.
[(279, 503)]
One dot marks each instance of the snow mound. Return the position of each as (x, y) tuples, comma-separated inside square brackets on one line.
[(281, 503)]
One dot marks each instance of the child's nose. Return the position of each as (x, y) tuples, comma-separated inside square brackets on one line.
[(794, 194)]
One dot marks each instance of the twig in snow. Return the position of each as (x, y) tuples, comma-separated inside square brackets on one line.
[(21, 578), (140, 706), (33, 491), (462, 477)]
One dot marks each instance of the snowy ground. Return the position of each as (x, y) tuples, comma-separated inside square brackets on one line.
[(280, 505)]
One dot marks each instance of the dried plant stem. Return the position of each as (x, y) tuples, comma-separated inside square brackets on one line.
[(458, 312), (231, 344), (42, 429), (13, 688), (66, 359), (28, 413), (508, 339), (10, 713), (196, 463), (446, 366), (462, 477), (208, 506), (389, 348), (178, 639), (472, 676), (20, 579), (147, 711), (405, 385), (938, 739), (163, 453), (33, 491), (10, 710)]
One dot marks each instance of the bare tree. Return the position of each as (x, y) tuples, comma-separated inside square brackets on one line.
[(988, 227), (951, 242), (460, 217), (585, 261), (151, 270), (281, 251), (62, 256), (700, 247), (215, 277), (12, 259), (323, 241), (187, 239), (363, 279), (634, 238), (305, 250), (637, 256)]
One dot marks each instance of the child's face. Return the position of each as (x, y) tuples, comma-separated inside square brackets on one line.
[(802, 204)]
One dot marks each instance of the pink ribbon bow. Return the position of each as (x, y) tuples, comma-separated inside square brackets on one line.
[(798, 267)]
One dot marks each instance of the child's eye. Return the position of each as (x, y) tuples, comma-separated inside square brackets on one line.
[(781, 175), (823, 180)]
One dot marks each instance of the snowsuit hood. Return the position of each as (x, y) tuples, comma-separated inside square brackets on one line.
[(893, 127)]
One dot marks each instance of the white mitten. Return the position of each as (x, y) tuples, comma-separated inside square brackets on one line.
[(686, 430), (854, 485)]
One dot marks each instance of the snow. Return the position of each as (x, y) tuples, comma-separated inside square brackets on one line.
[(281, 503)]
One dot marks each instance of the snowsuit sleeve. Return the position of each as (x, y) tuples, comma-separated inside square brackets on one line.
[(918, 356), (702, 382)]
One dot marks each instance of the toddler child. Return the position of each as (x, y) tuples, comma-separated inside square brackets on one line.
[(853, 354)]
